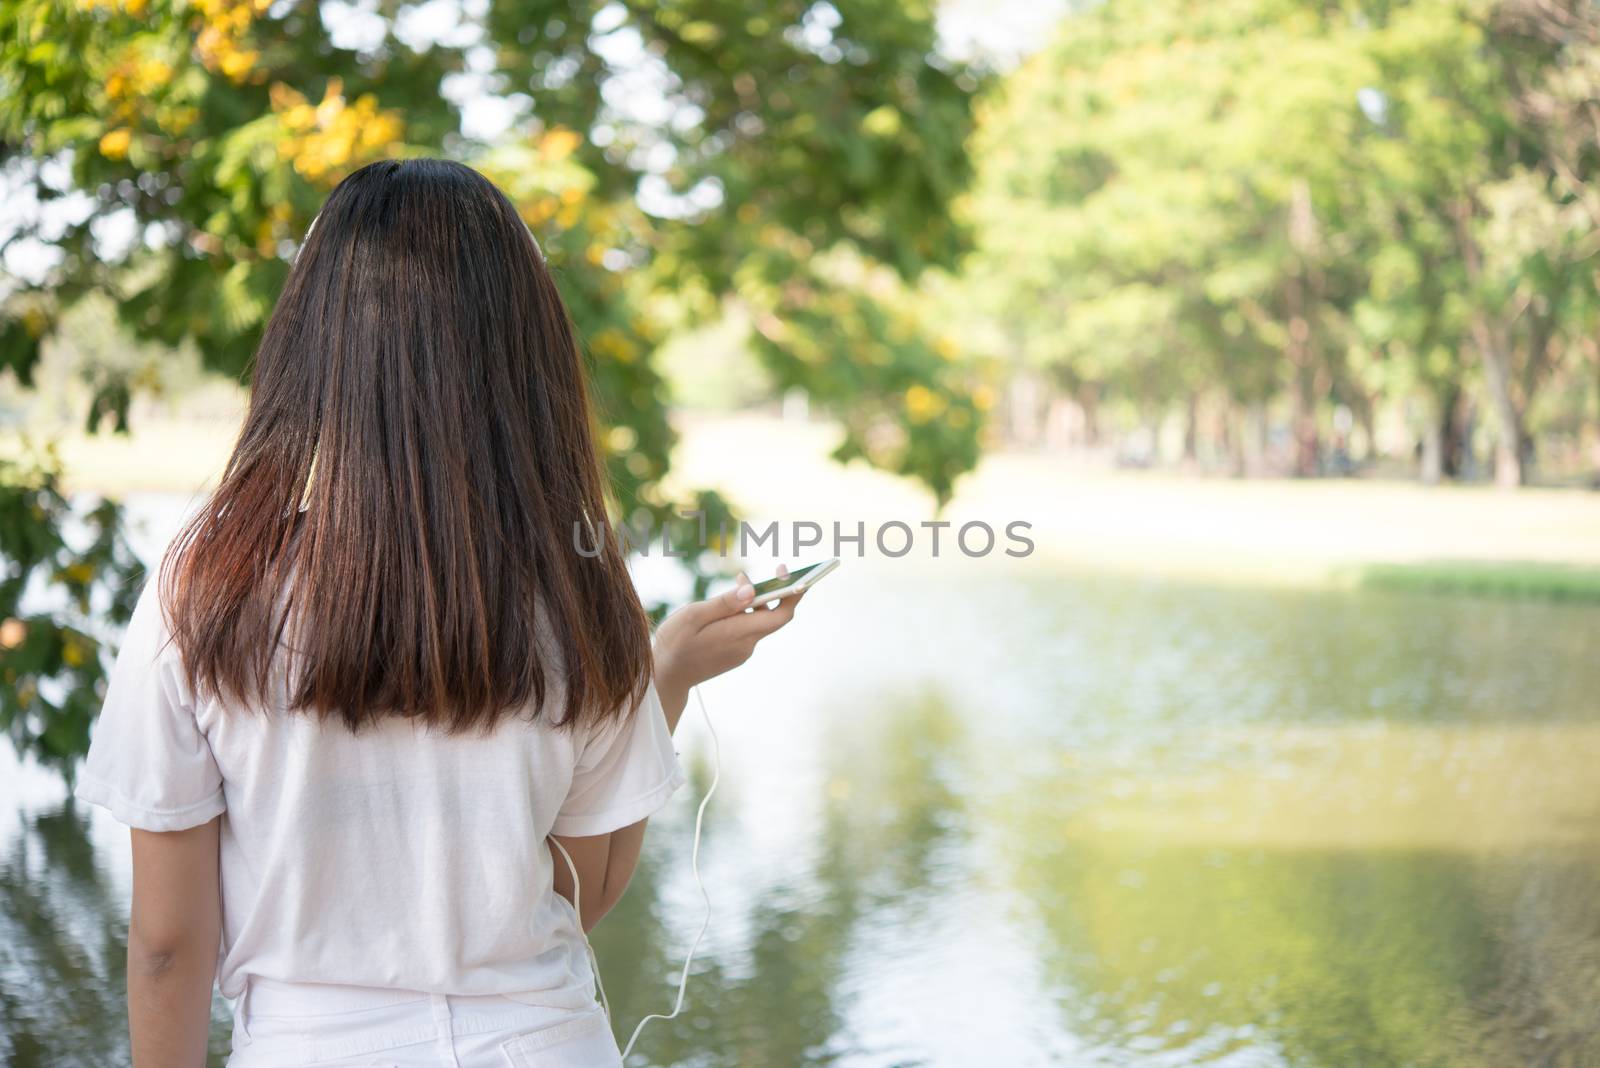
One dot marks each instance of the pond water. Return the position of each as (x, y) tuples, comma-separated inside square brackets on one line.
[(991, 816)]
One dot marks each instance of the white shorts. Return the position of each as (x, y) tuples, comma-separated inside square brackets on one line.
[(284, 1025)]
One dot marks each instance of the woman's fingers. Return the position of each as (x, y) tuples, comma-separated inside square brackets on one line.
[(793, 600), (753, 626), (734, 601), (787, 603)]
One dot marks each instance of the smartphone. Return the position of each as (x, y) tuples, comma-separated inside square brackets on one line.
[(796, 581)]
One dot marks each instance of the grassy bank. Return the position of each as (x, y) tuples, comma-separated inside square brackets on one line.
[(1487, 578)]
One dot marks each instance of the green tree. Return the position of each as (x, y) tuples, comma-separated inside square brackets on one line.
[(1489, 211), (1348, 204), (790, 159), (805, 165), (1160, 200)]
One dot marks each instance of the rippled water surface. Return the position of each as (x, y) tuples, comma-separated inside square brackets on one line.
[(989, 817)]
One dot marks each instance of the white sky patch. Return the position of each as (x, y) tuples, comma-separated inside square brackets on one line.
[(438, 22), (115, 234), (31, 259), (1005, 32), (1374, 104), (487, 117), (356, 26)]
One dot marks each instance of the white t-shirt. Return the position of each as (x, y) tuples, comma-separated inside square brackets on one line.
[(399, 857)]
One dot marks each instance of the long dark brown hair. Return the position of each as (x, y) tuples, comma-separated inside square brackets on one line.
[(399, 510)]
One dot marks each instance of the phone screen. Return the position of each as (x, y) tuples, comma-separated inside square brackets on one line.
[(784, 582)]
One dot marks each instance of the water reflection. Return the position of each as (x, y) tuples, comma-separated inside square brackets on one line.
[(64, 950), (1229, 826), (1322, 957), (889, 813), (1067, 820), (1364, 832)]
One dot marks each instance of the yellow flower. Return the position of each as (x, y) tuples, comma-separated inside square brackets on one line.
[(221, 26), (332, 103), (114, 143), (378, 128), (612, 343), (335, 135), (540, 211), (153, 74), (923, 404), (236, 64), (881, 121), (178, 119), (300, 117), (559, 142)]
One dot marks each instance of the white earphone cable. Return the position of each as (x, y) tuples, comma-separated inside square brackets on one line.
[(694, 867)]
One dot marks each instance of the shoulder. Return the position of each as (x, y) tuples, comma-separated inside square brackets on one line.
[(148, 643), (151, 622)]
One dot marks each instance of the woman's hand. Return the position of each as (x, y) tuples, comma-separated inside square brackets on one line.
[(704, 639)]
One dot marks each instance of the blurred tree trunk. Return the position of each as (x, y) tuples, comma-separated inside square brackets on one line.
[(1491, 336), (1062, 421), (1306, 442), (1432, 460), (1253, 443), (1088, 395), (1230, 440), (1024, 407), (1591, 349), (1367, 420), (1495, 349), (1446, 434), (1191, 429), (1301, 224)]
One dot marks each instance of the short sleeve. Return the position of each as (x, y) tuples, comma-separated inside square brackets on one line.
[(625, 771), (149, 764)]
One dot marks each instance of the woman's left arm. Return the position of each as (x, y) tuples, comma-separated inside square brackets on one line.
[(173, 934), (698, 642)]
